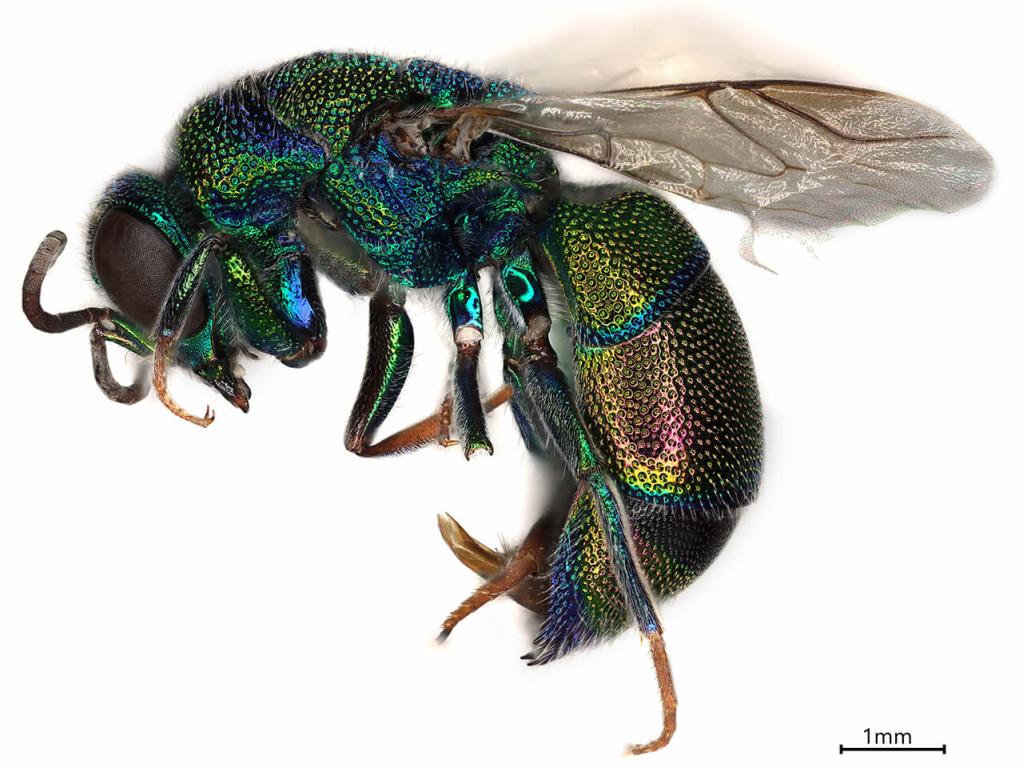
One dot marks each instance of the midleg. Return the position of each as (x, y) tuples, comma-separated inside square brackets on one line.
[(388, 338), (427, 431), (465, 313)]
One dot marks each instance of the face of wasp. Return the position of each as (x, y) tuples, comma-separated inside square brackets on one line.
[(135, 264)]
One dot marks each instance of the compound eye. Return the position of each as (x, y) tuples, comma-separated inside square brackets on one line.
[(135, 264)]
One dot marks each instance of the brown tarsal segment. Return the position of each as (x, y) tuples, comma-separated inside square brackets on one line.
[(163, 349), (524, 563), (668, 696), (444, 416), (434, 428)]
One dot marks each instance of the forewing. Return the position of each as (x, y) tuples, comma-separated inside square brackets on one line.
[(799, 155)]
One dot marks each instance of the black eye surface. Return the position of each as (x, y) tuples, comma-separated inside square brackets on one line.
[(135, 264)]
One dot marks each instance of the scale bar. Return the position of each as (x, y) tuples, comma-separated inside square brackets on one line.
[(843, 749)]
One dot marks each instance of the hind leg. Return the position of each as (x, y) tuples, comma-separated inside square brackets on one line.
[(529, 575), (598, 529)]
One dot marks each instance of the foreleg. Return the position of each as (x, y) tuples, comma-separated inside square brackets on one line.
[(183, 293), (387, 367)]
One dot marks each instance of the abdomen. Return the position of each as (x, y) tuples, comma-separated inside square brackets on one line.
[(675, 410), (664, 375)]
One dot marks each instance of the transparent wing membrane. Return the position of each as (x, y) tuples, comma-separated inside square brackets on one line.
[(788, 154)]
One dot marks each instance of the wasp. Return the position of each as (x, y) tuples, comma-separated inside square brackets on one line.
[(389, 176)]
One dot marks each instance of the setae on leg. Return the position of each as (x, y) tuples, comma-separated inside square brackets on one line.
[(183, 293), (391, 343), (597, 510), (465, 313), (428, 430)]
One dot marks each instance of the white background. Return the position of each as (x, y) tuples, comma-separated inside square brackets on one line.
[(252, 595)]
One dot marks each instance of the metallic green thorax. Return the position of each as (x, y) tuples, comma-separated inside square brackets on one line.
[(248, 151), (245, 154)]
